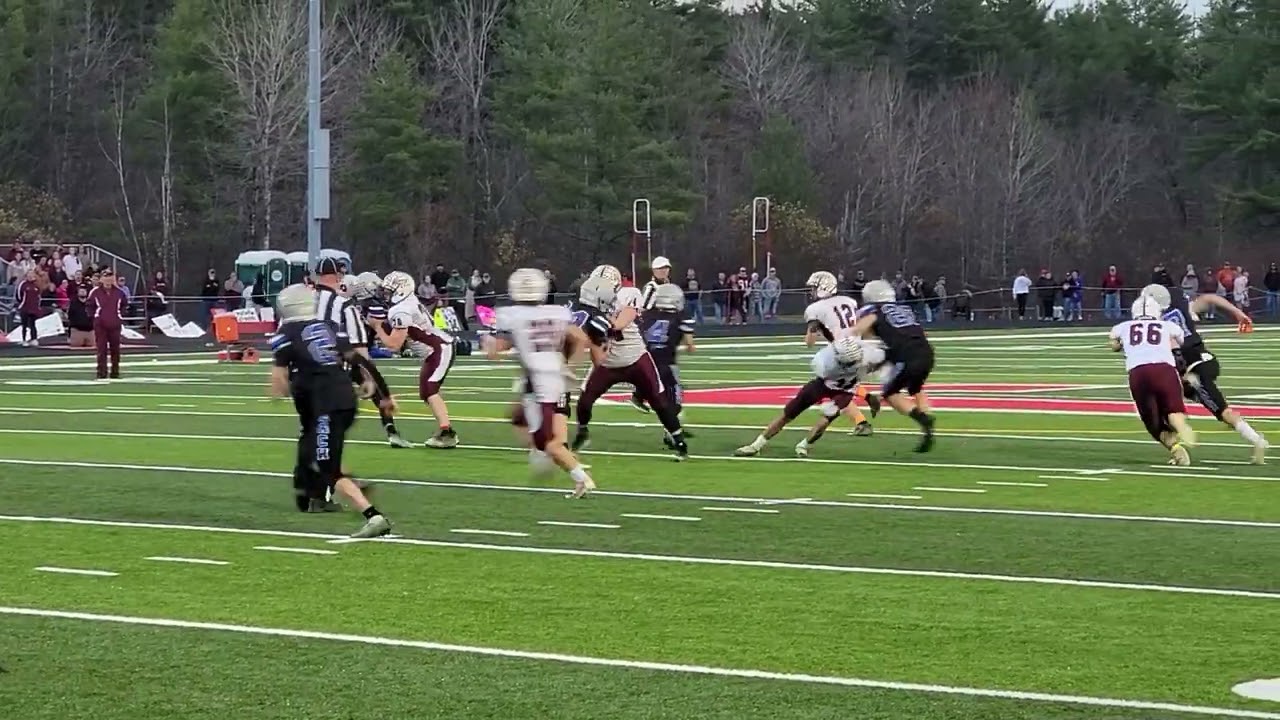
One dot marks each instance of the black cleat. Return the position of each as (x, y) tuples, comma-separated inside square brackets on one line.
[(926, 441), (682, 451), (582, 440), (873, 403), (638, 403), (319, 505)]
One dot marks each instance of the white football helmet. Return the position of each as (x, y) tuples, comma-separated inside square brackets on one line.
[(1145, 308), (609, 274), (367, 284), (347, 286), (398, 286), (296, 302), (848, 351), (596, 293), (878, 291), (1160, 294), (822, 284), (527, 285), (668, 297)]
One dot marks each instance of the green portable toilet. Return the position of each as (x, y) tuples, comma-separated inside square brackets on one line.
[(298, 270), (271, 263)]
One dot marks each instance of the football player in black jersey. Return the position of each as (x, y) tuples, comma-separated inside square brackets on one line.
[(1199, 367), (310, 363), (665, 327), (907, 351), (365, 292)]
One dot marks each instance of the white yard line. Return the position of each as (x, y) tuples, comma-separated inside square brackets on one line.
[(1012, 484), (187, 560), (232, 472), (298, 550), (652, 557), (884, 496), (600, 526), (678, 518), (1087, 478), (474, 531), (761, 511), (76, 571), (1026, 696), (929, 488)]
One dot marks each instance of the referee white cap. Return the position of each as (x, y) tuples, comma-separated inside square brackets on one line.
[(660, 262)]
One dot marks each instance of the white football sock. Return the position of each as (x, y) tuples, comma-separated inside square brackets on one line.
[(1248, 433), (759, 442), (579, 475)]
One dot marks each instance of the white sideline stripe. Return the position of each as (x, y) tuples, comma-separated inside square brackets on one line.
[(557, 523), (651, 666), (617, 453), (1088, 478), (76, 571), (1012, 484), (301, 551), (790, 501), (948, 489), (646, 516), (1180, 469), (712, 508), (189, 561), (678, 559), (676, 496), (112, 407), (474, 531), (884, 496), (174, 405), (177, 436)]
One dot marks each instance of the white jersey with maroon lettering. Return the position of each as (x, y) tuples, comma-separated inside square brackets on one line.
[(628, 349), (839, 376), (422, 331), (1146, 342), (538, 337), (837, 315)]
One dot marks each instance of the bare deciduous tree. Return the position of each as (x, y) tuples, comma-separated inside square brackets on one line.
[(767, 67)]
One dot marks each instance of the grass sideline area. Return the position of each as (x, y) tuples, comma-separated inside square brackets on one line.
[(1042, 562)]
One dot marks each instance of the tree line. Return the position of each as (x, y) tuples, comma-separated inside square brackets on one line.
[(967, 137)]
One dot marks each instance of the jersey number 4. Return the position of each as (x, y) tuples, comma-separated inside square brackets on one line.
[(1152, 335), (657, 332)]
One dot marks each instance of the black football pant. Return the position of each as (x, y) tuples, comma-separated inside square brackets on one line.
[(307, 484)]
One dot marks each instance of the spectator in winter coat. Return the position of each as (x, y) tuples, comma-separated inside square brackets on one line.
[(1190, 282), (28, 301), (771, 290), (79, 321), (1046, 293), (440, 278), (720, 298), (456, 291), (1272, 283), (755, 297), (1209, 286), (1112, 284), (937, 295), (1021, 291), (1240, 289), (693, 295), (1072, 297), (1160, 276), (856, 285)]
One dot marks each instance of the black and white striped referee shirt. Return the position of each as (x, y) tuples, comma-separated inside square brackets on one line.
[(647, 295), (342, 313)]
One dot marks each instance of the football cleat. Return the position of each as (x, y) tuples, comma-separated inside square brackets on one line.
[(926, 441), (638, 403), (582, 440), (873, 403), (443, 440), (395, 441), (802, 449), (746, 451), (376, 526), (1260, 453), (582, 489), (863, 429), (1179, 456)]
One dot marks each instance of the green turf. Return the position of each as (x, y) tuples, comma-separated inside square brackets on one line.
[(198, 444)]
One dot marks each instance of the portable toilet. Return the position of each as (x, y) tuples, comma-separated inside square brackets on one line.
[(273, 264), (298, 270)]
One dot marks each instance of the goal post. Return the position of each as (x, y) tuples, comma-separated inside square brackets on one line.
[(640, 229), (760, 232)]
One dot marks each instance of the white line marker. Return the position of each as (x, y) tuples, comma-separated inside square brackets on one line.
[(885, 497), (351, 540), (601, 526), (175, 405), (242, 473), (654, 666), (129, 408), (1186, 468), (189, 561), (76, 571), (474, 531), (224, 402), (713, 508), (299, 550), (1086, 478), (797, 501), (1268, 689), (948, 489), (1012, 484), (680, 518)]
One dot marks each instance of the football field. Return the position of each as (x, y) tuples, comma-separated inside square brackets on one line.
[(1043, 562)]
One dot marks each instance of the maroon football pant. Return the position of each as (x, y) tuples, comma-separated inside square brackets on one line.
[(107, 340)]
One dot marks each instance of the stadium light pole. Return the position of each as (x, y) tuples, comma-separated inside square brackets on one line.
[(317, 141)]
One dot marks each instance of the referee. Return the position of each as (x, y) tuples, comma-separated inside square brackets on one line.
[(661, 276), (335, 307)]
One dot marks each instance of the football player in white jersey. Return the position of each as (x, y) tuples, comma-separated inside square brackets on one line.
[(412, 328), (1148, 344), (626, 359), (542, 336), (831, 316), (838, 369)]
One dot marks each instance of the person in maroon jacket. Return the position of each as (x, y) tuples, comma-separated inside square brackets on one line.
[(106, 305), (29, 292)]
